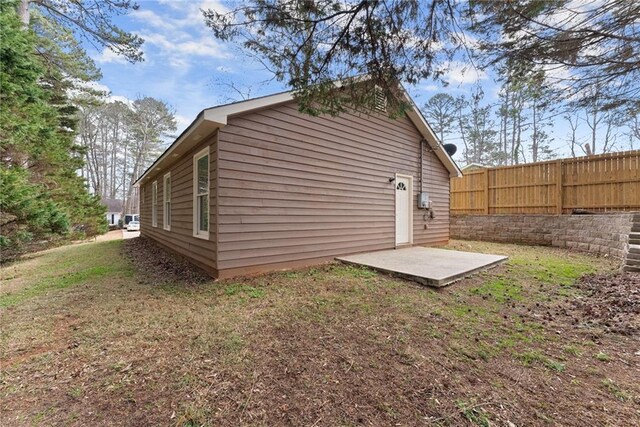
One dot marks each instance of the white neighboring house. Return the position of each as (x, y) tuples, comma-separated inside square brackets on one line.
[(114, 211)]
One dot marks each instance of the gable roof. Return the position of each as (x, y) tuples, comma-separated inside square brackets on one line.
[(473, 166), (113, 205), (214, 118)]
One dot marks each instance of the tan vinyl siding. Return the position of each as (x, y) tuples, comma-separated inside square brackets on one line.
[(294, 187), (180, 239)]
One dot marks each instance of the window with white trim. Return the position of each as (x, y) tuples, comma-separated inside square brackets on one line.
[(154, 203), (201, 194), (166, 192)]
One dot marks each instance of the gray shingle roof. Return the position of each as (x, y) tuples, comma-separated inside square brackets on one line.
[(113, 205)]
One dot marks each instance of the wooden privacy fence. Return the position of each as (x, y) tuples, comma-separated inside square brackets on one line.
[(606, 182)]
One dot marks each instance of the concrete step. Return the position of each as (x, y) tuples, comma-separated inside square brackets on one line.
[(634, 235), (634, 249), (635, 229), (632, 269), (632, 263), (635, 241), (631, 255)]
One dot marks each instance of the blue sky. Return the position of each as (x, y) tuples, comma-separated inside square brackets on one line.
[(184, 65), (187, 68)]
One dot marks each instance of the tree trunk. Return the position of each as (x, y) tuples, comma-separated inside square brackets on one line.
[(534, 136), (518, 141), (593, 131), (23, 13), (127, 207)]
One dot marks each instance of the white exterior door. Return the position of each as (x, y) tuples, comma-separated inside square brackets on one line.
[(403, 209)]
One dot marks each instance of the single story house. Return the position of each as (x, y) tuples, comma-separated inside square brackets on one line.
[(256, 185), (114, 211)]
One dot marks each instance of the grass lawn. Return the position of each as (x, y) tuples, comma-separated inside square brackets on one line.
[(86, 339)]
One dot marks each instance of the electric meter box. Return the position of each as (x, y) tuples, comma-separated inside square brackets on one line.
[(423, 201)]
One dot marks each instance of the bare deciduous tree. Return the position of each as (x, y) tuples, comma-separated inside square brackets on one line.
[(120, 141)]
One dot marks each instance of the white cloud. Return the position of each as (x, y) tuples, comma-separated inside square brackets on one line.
[(461, 73), (95, 86), (173, 4), (180, 34), (106, 93), (558, 73), (573, 14), (158, 40), (202, 47), (181, 55), (120, 98), (153, 19), (181, 46), (191, 15), (430, 88), (214, 5), (194, 7), (108, 56), (182, 122)]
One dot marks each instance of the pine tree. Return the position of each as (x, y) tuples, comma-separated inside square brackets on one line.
[(440, 112), (41, 196)]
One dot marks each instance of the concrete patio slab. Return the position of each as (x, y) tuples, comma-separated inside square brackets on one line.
[(429, 266)]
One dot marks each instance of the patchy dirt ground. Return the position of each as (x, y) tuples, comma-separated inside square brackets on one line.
[(156, 265), (104, 335), (612, 301)]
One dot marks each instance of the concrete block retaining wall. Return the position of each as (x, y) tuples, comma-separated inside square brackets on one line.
[(603, 233)]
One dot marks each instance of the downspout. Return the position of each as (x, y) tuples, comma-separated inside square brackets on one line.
[(422, 165), (429, 213)]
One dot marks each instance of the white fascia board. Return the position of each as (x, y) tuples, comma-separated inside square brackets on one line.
[(219, 115)]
